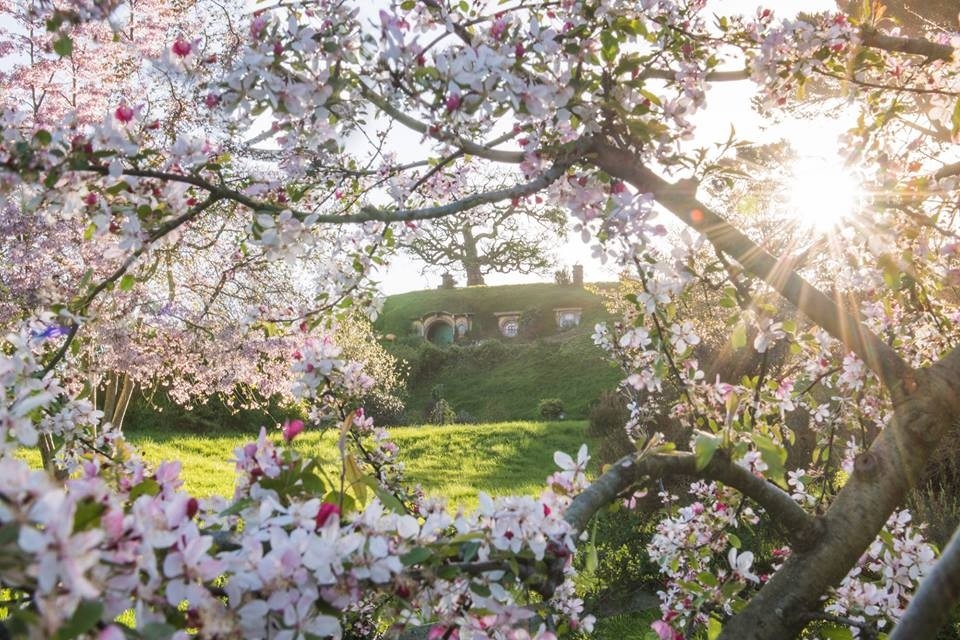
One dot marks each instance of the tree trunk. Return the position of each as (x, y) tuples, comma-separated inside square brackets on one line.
[(116, 398), (471, 259)]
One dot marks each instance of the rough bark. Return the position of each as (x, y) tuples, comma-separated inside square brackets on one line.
[(470, 258), (801, 528)]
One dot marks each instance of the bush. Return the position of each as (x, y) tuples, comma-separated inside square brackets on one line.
[(551, 408), (385, 410), (536, 323), (430, 359), (608, 418), (441, 413)]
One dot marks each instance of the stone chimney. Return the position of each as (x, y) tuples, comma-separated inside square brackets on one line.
[(578, 275)]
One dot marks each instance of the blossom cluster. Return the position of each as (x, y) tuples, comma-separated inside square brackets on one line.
[(278, 559)]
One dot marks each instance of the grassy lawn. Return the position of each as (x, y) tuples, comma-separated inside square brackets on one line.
[(456, 462)]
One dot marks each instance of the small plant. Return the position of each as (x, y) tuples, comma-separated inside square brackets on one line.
[(551, 409), (440, 411)]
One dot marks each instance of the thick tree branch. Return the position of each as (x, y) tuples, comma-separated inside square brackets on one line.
[(779, 274), (936, 598), (733, 75), (870, 37), (487, 197), (801, 528), (368, 213)]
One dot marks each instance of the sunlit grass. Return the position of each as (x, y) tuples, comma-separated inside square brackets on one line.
[(455, 462)]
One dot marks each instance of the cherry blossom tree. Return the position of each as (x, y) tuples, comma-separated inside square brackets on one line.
[(591, 106)]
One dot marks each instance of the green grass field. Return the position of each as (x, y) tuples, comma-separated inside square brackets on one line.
[(455, 462)]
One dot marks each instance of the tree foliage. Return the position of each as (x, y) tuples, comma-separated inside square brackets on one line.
[(169, 221), (491, 240)]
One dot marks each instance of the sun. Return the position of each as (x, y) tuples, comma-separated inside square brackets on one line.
[(821, 193)]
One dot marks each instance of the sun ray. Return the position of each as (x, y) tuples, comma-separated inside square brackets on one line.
[(821, 193)]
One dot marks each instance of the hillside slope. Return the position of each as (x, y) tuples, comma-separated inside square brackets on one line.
[(399, 311), (488, 377)]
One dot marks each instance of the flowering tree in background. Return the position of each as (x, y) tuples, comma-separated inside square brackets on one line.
[(278, 138)]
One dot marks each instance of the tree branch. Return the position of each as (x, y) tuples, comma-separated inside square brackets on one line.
[(427, 213), (870, 37), (801, 528), (468, 147), (925, 407)]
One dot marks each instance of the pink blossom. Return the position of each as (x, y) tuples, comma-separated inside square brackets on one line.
[(181, 48), (291, 429), (327, 511), (124, 113)]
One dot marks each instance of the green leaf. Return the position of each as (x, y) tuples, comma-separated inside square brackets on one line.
[(833, 632), (408, 5), (87, 514), (416, 556), (127, 282), (955, 118), (157, 631), (714, 627), (592, 560), (390, 501), (354, 476), (609, 46), (63, 46), (773, 454), (148, 487), (9, 533), (707, 578), (43, 137), (738, 339), (83, 619), (704, 446), (468, 551), (734, 541), (236, 507)]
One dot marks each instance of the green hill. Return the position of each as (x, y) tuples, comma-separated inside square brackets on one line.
[(399, 311), (486, 376)]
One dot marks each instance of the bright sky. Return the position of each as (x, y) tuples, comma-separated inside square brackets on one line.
[(726, 103)]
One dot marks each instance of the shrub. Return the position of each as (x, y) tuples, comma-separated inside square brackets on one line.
[(430, 359), (441, 413), (536, 322), (385, 410), (551, 408)]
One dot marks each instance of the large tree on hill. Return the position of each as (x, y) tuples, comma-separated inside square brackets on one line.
[(589, 106), (494, 239)]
